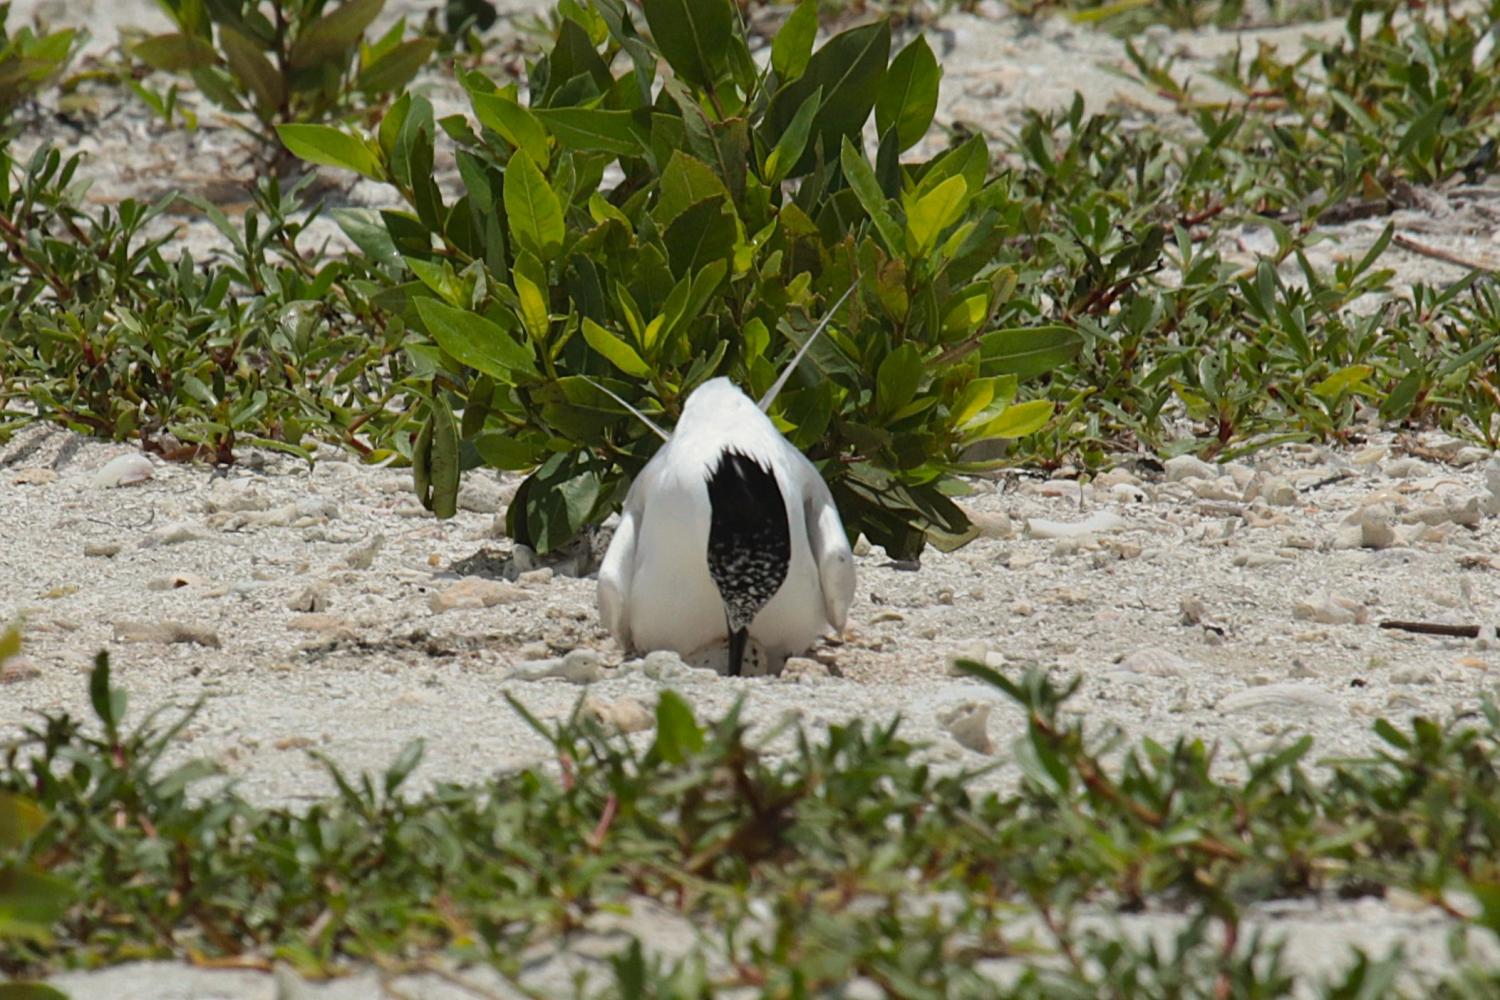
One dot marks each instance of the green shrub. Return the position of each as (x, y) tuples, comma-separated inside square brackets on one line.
[(102, 332), (28, 61), (287, 60), (651, 238)]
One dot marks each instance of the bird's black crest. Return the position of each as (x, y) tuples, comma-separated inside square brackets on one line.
[(749, 540)]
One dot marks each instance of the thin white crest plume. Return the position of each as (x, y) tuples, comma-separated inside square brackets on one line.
[(638, 414), (786, 373)]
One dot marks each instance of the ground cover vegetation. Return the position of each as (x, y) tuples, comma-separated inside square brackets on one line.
[(1069, 293), (652, 208), (839, 856)]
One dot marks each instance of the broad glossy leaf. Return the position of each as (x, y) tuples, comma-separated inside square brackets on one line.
[(333, 34), (909, 94), (504, 450), (928, 215), (175, 52), (249, 63), (703, 233), (685, 182), (395, 69), (473, 340), (693, 36), (848, 68), (330, 147), (516, 125), (897, 378), (1015, 421), (533, 208), (1028, 351), (792, 46), (619, 353), (529, 284), (793, 141), (862, 179), (594, 130)]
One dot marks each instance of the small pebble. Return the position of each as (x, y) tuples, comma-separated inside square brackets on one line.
[(124, 470), (804, 670), (1099, 522), (1331, 609), (581, 666), (624, 715), (1189, 467), (474, 592), (968, 724), (172, 534), (166, 632), (1280, 698), (362, 557)]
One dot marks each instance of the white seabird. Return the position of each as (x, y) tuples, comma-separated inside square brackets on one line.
[(728, 534)]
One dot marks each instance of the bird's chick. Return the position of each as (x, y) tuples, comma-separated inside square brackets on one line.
[(729, 533)]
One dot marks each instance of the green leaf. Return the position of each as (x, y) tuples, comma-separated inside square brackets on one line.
[(848, 68), (593, 130), (909, 94), (503, 450), (475, 341), (693, 36), (438, 442), (30, 903), (10, 643), (897, 378), (533, 208), (1341, 381), (685, 182), (971, 401), (20, 819), (395, 69), (1028, 351), (515, 124), (793, 141), (700, 235), (928, 215), (529, 281), (1402, 398), (867, 189), (108, 701), (333, 34), (677, 732), (330, 147), (249, 63), (792, 46), (30, 991), (1014, 421), (619, 353), (176, 52)]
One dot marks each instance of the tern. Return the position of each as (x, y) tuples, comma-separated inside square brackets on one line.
[(728, 534)]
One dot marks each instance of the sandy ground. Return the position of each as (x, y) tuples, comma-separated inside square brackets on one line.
[(309, 607)]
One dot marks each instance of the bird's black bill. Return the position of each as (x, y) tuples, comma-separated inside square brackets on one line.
[(738, 639)]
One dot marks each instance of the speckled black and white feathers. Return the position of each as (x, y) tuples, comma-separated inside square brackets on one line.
[(749, 540)]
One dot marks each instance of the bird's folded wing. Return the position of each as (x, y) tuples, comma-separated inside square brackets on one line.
[(830, 547), (614, 578)]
